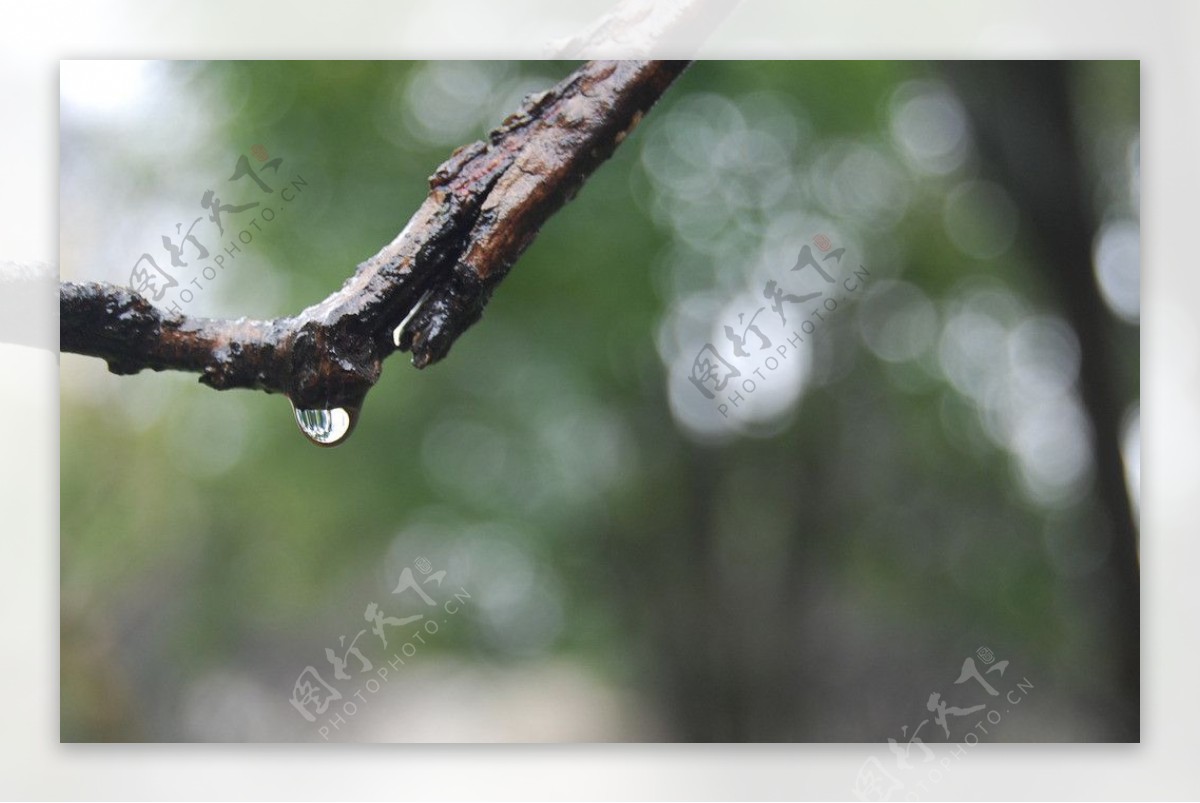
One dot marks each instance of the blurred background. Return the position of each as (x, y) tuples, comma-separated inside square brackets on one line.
[(949, 463)]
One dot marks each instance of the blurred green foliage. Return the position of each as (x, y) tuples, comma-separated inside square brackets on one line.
[(813, 581)]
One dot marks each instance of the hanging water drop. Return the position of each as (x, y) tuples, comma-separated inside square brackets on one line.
[(325, 427)]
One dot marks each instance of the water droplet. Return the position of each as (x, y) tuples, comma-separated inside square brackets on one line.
[(326, 427)]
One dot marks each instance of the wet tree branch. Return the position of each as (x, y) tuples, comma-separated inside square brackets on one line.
[(485, 206)]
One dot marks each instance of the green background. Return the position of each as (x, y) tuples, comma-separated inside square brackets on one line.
[(635, 573)]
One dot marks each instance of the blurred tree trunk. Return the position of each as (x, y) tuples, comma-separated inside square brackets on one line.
[(1023, 121)]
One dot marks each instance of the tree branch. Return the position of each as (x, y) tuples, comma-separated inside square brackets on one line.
[(485, 206)]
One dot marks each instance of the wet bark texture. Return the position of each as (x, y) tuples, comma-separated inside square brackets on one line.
[(485, 206)]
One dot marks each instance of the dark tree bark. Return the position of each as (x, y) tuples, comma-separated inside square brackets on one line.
[(485, 206)]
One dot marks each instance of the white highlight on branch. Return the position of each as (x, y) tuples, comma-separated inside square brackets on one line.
[(399, 330)]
